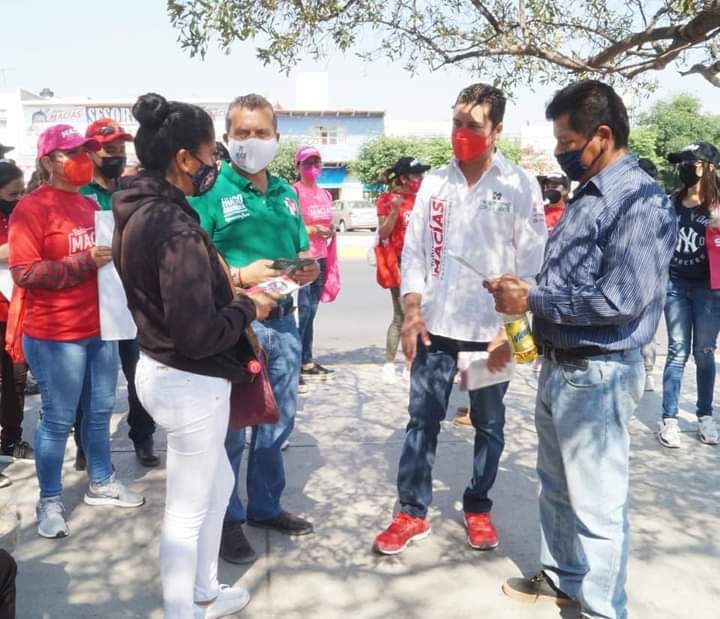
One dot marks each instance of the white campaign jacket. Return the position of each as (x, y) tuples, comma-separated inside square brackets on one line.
[(497, 225)]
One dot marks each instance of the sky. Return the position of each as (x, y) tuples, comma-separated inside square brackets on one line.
[(119, 49)]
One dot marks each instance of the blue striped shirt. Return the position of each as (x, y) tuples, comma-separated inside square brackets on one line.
[(606, 263)]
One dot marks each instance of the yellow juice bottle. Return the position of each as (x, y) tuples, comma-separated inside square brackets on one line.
[(520, 337)]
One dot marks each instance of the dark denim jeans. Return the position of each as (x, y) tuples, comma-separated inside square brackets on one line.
[(692, 315), (266, 469), (142, 426), (431, 382), (308, 303)]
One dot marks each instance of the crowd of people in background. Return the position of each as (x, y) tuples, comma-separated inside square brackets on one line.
[(595, 252)]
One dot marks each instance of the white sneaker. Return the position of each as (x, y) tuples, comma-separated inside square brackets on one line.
[(388, 374), (230, 600), (113, 493), (51, 521), (650, 383), (406, 373), (707, 430), (669, 433), (285, 445)]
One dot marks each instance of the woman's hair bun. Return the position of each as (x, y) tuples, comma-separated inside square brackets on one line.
[(151, 110)]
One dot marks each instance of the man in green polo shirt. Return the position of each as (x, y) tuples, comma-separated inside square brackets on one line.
[(254, 218), (109, 164)]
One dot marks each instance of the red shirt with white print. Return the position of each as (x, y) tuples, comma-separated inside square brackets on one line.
[(384, 206), (51, 234)]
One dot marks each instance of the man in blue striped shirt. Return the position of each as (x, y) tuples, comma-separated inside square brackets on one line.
[(597, 301)]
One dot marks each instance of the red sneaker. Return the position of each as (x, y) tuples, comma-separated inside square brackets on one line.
[(481, 534), (403, 530)]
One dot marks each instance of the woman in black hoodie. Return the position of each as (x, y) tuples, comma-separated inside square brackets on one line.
[(191, 329)]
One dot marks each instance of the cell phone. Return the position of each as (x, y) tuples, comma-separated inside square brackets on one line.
[(291, 266)]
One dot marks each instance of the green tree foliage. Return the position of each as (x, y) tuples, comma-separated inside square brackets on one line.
[(379, 154), (518, 42), (668, 127), (284, 163)]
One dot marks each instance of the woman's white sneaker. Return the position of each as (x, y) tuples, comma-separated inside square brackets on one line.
[(708, 431), (669, 433), (51, 521), (230, 600), (113, 493)]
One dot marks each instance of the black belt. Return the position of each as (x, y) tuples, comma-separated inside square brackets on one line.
[(281, 311), (575, 356)]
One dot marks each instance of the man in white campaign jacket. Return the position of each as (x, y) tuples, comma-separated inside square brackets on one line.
[(488, 212)]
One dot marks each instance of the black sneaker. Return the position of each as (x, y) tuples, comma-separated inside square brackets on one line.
[(234, 546), (303, 386), (317, 372), (5, 481), (537, 589), (284, 522), (19, 451)]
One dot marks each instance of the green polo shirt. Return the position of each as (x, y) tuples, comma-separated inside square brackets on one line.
[(247, 225), (98, 193)]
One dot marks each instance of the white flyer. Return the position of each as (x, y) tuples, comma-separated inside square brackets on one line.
[(116, 322), (475, 374), (6, 282)]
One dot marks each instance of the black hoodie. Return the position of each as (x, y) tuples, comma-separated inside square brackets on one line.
[(177, 290)]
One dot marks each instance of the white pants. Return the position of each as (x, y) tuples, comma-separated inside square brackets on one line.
[(194, 411)]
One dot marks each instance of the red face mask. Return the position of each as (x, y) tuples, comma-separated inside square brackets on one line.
[(413, 185), (78, 170), (468, 145)]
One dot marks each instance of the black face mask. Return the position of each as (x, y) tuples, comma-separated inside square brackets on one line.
[(553, 196), (204, 179), (7, 206), (688, 176), (112, 167)]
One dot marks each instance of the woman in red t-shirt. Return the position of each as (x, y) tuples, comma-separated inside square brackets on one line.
[(394, 208), (13, 375), (54, 262)]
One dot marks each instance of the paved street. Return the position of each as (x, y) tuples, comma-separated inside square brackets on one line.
[(341, 471)]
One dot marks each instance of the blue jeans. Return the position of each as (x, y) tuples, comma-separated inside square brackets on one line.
[(692, 315), (431, 382), (266, 470), (582, 417), (308, 303), (142, 426), (81, 372)]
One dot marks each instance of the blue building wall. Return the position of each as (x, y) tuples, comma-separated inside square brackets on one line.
[(338, 138)]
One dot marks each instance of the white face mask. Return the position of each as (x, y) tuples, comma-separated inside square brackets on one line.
[(252, 155)]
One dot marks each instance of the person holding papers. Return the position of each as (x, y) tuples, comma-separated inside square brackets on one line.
[(54, 261)]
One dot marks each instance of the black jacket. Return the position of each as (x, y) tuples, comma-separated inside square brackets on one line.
[(177, 290)]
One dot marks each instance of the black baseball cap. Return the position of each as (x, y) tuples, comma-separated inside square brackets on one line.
[(409, 165), (4, 150), (701, 151), (556, 178)]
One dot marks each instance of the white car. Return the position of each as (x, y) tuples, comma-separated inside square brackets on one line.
[(354, 215)]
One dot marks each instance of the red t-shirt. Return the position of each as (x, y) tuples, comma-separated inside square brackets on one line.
[(553, 212), (52, 224), (4, 304), (384, 205)]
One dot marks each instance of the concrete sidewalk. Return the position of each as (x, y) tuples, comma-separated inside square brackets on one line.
[(341, 474)]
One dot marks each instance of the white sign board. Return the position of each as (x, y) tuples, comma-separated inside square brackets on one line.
[(116, 322)]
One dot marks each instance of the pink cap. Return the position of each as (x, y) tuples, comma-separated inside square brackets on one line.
[(63, 137), (305, 152)]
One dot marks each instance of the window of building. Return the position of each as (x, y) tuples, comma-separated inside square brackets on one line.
[(328, 135)]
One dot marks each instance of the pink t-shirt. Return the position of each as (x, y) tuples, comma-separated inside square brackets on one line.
[(316, 208)]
